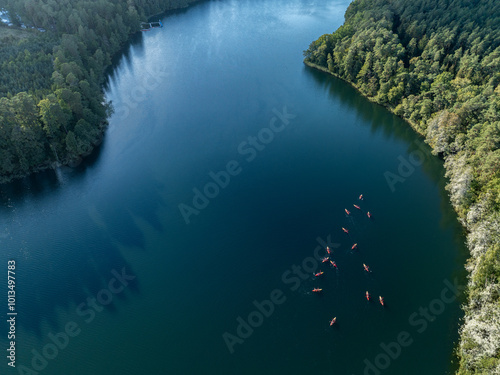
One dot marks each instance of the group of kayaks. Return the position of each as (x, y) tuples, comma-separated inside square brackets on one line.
[(333, 264), (359, 208)]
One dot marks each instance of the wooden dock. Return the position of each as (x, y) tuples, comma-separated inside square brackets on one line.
[(146, 26)]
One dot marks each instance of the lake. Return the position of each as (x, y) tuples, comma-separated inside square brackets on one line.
[(187, 243)]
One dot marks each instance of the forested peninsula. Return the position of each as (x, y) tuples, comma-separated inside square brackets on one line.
[(53, 58), (437, 65)]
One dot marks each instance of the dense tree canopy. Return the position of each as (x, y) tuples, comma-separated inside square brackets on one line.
[(437, 64), (52, 107)]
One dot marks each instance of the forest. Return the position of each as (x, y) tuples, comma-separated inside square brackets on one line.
[(437, 65), (52, 67)]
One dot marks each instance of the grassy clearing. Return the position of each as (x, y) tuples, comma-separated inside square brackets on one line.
[(14, 34)]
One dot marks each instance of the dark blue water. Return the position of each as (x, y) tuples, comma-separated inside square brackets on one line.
[(151, 282)]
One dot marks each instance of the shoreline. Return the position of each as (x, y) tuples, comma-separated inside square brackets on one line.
[(76, 161), (390, 109), (475, 226)]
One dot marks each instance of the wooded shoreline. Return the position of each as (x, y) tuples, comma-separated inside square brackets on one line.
[(437, 66), (52, 105)]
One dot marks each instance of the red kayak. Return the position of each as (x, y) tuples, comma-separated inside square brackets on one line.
[(359, 208), (354, 246), (369, 214), (333, 264), (361, 197), (367, 269), (324, 260), (367, 296), (318, 274), (328, 250), (345, 230), (381, 300), (317, 290), (332, 322), (346, 211)]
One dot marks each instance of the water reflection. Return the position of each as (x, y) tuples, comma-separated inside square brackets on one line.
[(386, 123), (66, 243), (393, 127)]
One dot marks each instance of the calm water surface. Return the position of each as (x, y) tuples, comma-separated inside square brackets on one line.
[(187, 98)]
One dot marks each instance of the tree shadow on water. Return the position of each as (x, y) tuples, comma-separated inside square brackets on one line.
[(380, 121), (64, 228), (391, 126)]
